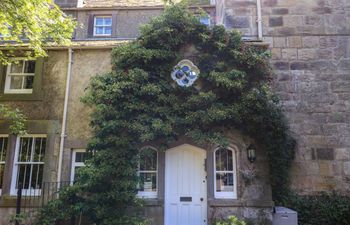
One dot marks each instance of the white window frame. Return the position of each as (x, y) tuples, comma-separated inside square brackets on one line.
[(13, 191), (149, 194), (75, 164), (3, 162), (8, 89), (227, 194), (103, 26)]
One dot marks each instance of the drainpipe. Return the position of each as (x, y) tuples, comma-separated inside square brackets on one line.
[(259, 20), (64, 118)]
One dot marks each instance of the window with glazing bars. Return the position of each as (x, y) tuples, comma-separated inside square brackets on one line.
[(29, 164)]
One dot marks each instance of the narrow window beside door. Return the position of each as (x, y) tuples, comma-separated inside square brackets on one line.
[(3, 149), (78, 161), (225, 173), (29, 165), (148, 173)]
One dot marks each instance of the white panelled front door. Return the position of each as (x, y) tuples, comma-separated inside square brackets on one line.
[(185, 186)]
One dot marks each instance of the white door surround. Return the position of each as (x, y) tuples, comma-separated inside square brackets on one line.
[(185, 186)]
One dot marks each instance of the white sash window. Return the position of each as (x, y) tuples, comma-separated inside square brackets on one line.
[(29, 165), (225, 173), (148, 173)]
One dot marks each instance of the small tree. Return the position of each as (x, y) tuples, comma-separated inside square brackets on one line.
[(35, 22)]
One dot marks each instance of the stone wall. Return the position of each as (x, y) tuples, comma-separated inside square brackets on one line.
[(310, 45)]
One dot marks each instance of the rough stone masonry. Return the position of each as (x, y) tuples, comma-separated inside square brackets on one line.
[(310, 46)]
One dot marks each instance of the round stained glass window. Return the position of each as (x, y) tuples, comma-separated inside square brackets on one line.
[(185, 73)]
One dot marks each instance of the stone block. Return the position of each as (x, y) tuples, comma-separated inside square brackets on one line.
[(281, 65), (340, 86), (285, 31), (328, 42), (306, 54), (346, 168), (276, 53), (313, 20), (326, 168), (322, 10), (294, 42), (299, 66), (237, 22), (323, 154), (342, 154), (310, 41), (240, 4), (324, 54), (279, 42), (269, 2), (292, 21), (344, 65), (279, 11), (289, 53), (276, 21)]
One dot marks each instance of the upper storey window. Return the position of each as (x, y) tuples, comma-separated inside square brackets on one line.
[(20, 77), (103, 26)]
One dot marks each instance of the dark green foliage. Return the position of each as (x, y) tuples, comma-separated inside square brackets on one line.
[(323, 209), (139, 103)]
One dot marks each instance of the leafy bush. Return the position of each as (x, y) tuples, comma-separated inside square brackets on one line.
[(323, 209), (231, 220)]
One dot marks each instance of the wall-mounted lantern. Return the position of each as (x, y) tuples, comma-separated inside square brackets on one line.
[(251, 153)]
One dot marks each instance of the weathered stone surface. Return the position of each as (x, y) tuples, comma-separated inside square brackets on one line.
[(280, 11), (237, 22), (306, 54), (289, 53), (323, 153), (294, 42), (310, 42), (279, 42), (276, 21), (346, 168), (299, 66)]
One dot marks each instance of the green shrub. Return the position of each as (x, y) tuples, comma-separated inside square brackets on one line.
[(323, 209), (231, 220)]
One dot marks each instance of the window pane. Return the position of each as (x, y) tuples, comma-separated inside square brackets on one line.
[(25, 149), (29, 67), (28, 82), (39, 152), (17, 67), (2, 168), (99, 30), (3, 149), (148, 182), (224, 182), (23, 176), (108, 21), (148, 159), (205, 20), (224, 160), (80, 157), (16, 82), (37, 176), (99, 21), (108, 30)]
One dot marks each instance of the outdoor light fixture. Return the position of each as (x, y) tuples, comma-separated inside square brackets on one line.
[(251, 153)]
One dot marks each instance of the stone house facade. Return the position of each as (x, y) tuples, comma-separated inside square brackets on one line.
[(310, 47)]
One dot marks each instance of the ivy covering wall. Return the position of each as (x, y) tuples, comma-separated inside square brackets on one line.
[(139, 103)]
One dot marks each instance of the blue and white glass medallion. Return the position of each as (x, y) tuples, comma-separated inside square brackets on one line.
[(185, 73)]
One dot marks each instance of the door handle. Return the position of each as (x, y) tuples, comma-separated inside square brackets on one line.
[(201, 199)]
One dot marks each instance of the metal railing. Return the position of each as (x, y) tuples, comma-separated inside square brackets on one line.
[(30, 201)]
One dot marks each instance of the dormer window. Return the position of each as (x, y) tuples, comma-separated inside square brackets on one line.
[(20, 77), (103, 26)]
